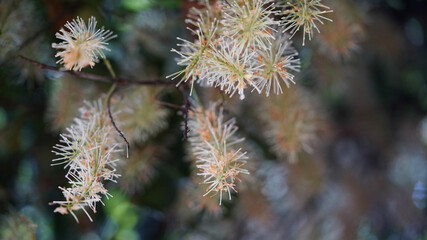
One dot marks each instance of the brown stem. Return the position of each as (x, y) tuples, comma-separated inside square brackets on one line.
[(114, 123), (119, 81)]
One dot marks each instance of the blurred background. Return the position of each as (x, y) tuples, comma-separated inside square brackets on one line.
[(365, 178)]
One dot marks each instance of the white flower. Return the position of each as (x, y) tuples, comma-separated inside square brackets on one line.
[(305, 13), (88, 151), (294, 122), (193, 55), (141, 116), (230, 67), (205, 14), (278, 64), (213, 143), (82, 44), (250, 22)]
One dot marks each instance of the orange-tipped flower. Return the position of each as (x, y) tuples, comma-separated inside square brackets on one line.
[(213, 143), (88, 150), (82, 44)]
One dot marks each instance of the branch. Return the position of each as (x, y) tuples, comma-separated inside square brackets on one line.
[(114, 123), (119, 81)]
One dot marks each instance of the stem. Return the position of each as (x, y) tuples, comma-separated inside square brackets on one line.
[(114, 86), (98, 78), (107, 104), (115, 126), (110, 92), (110, 68)]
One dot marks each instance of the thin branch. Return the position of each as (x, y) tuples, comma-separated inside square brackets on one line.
[(119, 81), (114, 123)]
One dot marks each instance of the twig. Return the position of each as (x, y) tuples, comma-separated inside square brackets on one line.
[(109, 95), (114, 123), (119, 81)]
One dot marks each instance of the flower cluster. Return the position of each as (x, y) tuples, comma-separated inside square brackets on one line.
[(250, 22), (278, 62), (293, 123), (214, 145), (341, 39), (239, 44), (88, 150), (65, 98), (141, 115), (305, 14), (82, 44)]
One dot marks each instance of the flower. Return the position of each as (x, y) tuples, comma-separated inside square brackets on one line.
[(305, 13), (66, 96), (250, 22), (141, 115), (230, 68), (293, 123), (193, 55), (88, 151), (240, 44), (82, 44), (277, 64), (205, 14), (213, 143), (341, 39)]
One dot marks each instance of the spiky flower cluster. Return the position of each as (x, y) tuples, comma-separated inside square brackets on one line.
[(304, 14), (250, 22), (66, 96), (214, 145), (82, 44), (278, 62), (239, 44), (141, 116), (293, 123), (88, 150), (350, 29)]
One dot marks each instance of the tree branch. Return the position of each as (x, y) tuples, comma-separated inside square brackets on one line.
[(119, 81)]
